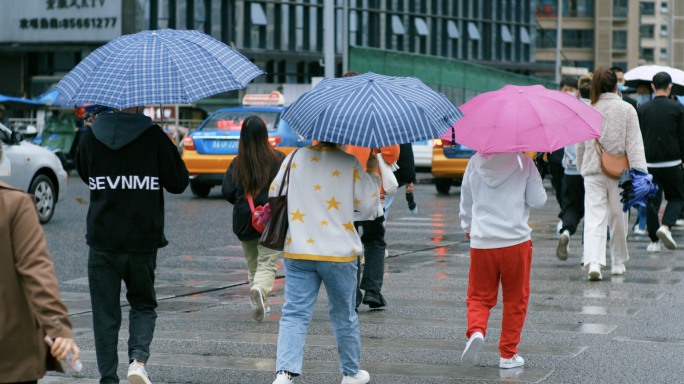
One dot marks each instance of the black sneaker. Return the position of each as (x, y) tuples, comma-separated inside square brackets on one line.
[(374, 299)]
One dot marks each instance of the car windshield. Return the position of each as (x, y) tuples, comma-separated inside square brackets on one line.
[(232, 120)]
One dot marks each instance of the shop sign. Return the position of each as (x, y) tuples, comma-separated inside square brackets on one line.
[(39, 21)]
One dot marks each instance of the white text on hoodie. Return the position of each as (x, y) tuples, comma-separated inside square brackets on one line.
[(150, 183)]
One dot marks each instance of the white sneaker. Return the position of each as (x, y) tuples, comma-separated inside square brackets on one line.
[(653, 247), (594, 272), (515, 361), (562, 250), (680, 223), (666, 237), (258, 307), (618, 269), (282, 378), (472, 348), (559, 226), (361, 377), (137, 374), (640, 232)]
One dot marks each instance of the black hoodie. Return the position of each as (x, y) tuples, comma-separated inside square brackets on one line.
[(127, 160)]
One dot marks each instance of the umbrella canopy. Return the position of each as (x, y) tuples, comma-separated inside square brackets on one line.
[(157, 67), (645, 73), (372, 111), (17, 103), (525, 118)]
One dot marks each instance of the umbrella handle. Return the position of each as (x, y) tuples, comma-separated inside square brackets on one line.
[(520, 162), (453, 138)]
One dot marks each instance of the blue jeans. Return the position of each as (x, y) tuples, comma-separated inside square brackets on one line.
[(641, 217), (302, 282)]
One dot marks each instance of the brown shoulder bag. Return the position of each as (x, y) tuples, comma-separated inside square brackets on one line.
[(276, 229), (611, 166)]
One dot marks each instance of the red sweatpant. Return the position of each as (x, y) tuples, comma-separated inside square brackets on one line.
[(511, 266)]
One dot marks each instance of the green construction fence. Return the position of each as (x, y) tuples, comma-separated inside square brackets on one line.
[(458, 80)]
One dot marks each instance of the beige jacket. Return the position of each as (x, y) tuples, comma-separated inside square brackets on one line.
[(620, 135), (29, 296)]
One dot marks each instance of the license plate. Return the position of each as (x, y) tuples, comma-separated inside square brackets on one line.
[(224, 144)]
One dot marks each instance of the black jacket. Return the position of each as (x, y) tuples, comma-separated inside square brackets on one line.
[(662, 127), (407, 165), (127, 162), (242, 213), (631, 101)]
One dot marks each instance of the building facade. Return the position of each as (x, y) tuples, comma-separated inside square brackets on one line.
[(661, 33), (44, 39)]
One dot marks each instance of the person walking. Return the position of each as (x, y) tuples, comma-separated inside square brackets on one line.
[(246, 186), (620, 136), (573, 184), (496, 196), (325, 187), (662, 128), (406, 175), (620, 74), (127, 162), (31, 306)]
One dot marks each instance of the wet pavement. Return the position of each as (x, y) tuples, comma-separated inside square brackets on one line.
[(624, 329)]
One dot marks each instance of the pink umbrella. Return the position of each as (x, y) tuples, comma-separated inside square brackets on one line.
[(532, 118)]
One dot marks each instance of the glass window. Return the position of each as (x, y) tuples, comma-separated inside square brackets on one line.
[(578, 38), (647, 8), (421, 27), (646, 54), (647, 31), (258, 15), (620, 8), (452, 30), (578, 8), (620, 40), (232, 120), (663, 7), (547, 8), (397, 26), (506, 34), (663, 53), (663, 30), (620, 64), (473, 32), (546, 38), (525, 36)]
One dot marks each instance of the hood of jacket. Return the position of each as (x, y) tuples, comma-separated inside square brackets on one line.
[(115, 130), (494, 169)]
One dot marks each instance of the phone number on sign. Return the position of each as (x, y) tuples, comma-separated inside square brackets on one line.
[(54, 23)]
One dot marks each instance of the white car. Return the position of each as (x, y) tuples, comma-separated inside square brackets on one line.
[(32, 169), (422, 154)]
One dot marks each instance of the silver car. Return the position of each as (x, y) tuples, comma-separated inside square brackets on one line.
[(32, 169)]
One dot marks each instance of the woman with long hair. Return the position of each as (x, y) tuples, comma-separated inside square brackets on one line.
[(620, 136), (249, 176)]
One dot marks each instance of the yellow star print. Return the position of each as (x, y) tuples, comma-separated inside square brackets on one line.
[(324, 223), (356, 175), (297, 216), (272, 189), (375, 194), (294, 165), (357, 201), (288, 241), (333, 204), (353, 251), (317, 187), (315, 159), (284, 166), (349, 226), (310, 241), (336, 173)]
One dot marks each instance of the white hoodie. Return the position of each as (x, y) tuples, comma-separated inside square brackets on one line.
[(496, 196)]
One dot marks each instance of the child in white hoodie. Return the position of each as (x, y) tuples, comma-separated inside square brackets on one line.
[(496, 195)]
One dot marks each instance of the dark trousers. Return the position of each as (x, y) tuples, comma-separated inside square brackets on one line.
[(669, 180), (373, 239), (557, 172), (573, 202), (105, 271)]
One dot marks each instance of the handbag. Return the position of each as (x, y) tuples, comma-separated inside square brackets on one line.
[(256, 214), (389, 181), (611, 166), (276, 229)]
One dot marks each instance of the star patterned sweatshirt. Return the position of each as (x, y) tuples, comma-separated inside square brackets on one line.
[(326, 186)]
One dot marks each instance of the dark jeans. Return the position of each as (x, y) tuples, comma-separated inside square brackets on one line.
[(105, 271), (573, 199), (557, 172), (669, 180), (373, 239)]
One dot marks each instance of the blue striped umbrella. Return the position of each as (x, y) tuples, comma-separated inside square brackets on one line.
[(372, 111), (157, 67)]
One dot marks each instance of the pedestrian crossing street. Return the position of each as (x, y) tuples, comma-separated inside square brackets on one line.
[(205, 334)]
